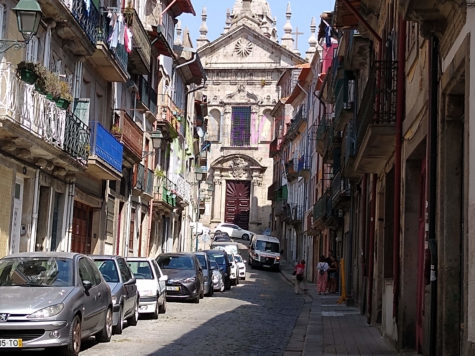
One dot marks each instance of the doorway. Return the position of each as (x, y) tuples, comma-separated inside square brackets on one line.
[(238, 203)]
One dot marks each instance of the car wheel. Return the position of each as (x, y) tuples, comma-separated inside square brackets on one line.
[(120, 324), (157, 309), (196, 299), (245, 237), (163, 306), (105, 334), (135, 316), (74, 339), (211, 291)]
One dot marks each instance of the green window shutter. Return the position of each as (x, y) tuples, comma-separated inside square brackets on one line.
[(81, 109)]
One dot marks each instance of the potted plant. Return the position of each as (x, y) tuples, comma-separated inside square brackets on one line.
[(115, 129), (26, 71), (42, 73), (65, 97), (159, 173), (52, 87)]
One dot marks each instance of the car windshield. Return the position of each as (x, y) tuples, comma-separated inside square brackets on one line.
[(175, 262), (108, 270), (267, 246), (141, 269), (36, 272), (202, 260), (219, 258)]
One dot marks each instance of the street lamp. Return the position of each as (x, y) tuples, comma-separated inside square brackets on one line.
[(28, 13), (156, 137)]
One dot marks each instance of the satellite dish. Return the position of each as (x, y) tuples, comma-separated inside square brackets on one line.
[(200, 131)]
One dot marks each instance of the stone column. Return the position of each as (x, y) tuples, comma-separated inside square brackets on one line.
[(256, 183), (223, 198), (216, 203)]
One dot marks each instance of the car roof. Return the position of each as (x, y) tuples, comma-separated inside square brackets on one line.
[(70, 255), (266, 238), (189, 254), (105, 257), (139, 259)]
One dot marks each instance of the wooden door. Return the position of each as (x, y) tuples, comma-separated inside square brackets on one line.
[(82, 223), (238, 203), (420, 259)]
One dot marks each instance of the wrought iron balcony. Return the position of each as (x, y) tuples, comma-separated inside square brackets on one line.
[(164, 194), (40, 121), (344, 101), (148, 96), (349, 150), (129, 134), (76, 21), (376, 119), (76, 138), (321, 134), (110, 58), (340, 191), (139, 177), (106, 154), (320, 211), (182, 189), (139, 58)]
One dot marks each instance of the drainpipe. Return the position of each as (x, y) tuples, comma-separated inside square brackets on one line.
[(432, 189), (400, 108), (372, 227), (34, 222)]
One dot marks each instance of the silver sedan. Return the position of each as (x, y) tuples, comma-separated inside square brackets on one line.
[(52, 300)]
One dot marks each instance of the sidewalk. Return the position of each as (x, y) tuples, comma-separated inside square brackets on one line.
[(325, 327)]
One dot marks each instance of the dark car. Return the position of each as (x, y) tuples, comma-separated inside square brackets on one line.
[(221, 257), (52, 299), (221, 236), (207, 273), (122, 283), (185, 275)]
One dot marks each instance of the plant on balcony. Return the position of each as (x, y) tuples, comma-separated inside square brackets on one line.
[(159, 173), (47, 83), (26, 71), (65, 97), (115, 129)]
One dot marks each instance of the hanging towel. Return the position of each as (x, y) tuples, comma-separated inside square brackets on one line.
[(114, 36), (128, 39), (328, 36), (121, 23)]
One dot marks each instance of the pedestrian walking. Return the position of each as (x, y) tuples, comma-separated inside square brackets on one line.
[(299, 277), (322, 268)]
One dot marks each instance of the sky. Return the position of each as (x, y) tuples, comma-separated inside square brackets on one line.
[(302, 13)]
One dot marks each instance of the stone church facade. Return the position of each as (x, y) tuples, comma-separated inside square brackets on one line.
[(243, 67)]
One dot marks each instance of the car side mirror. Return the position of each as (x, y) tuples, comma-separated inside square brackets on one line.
[(164, 278), (87, 285), (244, 261)]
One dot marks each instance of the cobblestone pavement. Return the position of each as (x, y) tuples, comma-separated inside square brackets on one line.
[(254, 318)]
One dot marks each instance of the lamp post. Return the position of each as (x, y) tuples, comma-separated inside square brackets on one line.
[(28, 13), (199, 178)]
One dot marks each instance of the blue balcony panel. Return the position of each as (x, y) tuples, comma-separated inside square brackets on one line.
[(106, 154)]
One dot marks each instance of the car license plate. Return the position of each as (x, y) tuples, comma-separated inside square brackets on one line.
[(11, 343), (173, 288), (265, 265)]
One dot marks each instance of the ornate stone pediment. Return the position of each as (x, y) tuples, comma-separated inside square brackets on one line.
[(238, 166), (242, 95)]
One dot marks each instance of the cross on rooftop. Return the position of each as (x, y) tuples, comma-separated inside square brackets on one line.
[(297, 34)]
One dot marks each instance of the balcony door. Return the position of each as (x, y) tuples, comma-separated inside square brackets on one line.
[(238, 203)]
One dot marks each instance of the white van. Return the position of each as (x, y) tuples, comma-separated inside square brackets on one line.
[(264, 251)]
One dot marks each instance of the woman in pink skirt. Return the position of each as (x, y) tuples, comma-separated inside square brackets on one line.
[(322, 276)]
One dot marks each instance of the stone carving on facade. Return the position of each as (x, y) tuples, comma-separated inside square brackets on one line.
[(238, 167), (243, 47), (242, 95)]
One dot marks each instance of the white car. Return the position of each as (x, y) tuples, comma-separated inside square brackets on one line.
[(234, 270), (233, 231), (151, 285), (241, 264)]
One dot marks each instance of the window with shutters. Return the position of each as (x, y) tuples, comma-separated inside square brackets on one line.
[(32, 50), (241, 126)]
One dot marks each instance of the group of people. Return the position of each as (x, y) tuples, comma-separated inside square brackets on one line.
[(327, 275)]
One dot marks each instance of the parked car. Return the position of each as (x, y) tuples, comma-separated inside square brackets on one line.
[(221, 258), (217, 277), (207, 274), (221, 236), (151, 285), (241, 264), (125, 297), (185, 275), (52, 299), (233, 231), (234, 270)]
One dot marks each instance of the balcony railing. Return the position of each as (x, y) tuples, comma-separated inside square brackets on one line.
[(29, 109), (344, 101), (104, 34), (291, 169), (340, 189), (139, 177), (182, 187), (148, 96), (129, 133), (105, 146), (76, 138), (165, 192), (87, 16), (320, 209), (304, 165), (141, 43)]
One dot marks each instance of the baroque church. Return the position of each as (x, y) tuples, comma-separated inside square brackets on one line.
[(243, 67)]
